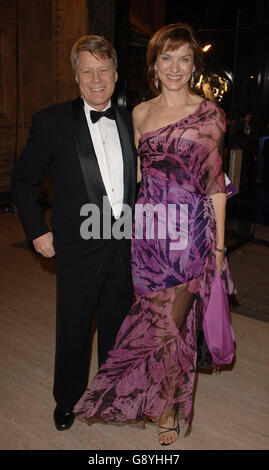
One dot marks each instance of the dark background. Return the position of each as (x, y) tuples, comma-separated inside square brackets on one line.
[(36, 37), (238, 32)]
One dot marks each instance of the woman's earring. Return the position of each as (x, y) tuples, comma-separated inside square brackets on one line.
[(192, 80), (156, 82)]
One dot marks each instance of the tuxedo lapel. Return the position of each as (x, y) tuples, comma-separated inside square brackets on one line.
[(87, 157), (129, 172)]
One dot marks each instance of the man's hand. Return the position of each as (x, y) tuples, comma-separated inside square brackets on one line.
[(44, 245)]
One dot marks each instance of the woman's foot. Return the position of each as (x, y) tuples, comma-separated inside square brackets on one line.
[(169, 427)]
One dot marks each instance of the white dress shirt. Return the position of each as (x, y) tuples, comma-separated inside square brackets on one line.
[(106, 142)]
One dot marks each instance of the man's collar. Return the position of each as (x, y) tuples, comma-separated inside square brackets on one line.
[(89, 108)]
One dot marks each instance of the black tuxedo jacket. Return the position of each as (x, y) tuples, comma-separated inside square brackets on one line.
[(60, 142)]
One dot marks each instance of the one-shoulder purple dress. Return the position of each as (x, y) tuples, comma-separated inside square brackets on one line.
[(153, 363)]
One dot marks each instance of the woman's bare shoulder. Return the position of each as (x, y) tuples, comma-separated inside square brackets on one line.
[(141, 109)]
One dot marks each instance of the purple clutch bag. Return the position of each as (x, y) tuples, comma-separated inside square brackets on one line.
[(218, 331)]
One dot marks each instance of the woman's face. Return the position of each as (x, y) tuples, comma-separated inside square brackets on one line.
[(174, 68)]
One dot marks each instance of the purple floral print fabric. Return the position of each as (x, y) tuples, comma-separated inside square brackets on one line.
[(153, 362)]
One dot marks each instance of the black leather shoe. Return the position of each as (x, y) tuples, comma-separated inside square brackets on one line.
[(63, 418)]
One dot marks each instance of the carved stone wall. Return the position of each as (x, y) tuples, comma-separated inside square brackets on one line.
[(8, 90), (102, 18), (36, 37), (70, 21), (35, 62), (47, 31)]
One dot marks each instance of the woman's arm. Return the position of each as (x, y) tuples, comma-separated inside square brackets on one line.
[(136, 114), (219, 204), (216, 182)]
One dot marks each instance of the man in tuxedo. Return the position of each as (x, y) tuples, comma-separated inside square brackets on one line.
[(87, 146)]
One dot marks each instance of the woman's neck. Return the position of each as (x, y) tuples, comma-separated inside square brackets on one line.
[(173, 99)]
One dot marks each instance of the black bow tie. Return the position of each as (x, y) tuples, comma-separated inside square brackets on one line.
[(96, 115)]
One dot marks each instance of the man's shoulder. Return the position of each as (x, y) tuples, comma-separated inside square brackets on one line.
[(123, 111), (54, 110), (125, 115)]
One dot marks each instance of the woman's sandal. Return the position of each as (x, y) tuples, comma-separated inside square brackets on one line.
[(176, 429)]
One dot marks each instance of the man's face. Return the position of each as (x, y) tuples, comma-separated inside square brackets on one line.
[(96, 78)]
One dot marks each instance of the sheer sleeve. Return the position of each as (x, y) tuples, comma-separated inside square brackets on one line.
[(212, 171)]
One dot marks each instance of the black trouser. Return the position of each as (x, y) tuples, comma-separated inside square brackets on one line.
[(86, 285)]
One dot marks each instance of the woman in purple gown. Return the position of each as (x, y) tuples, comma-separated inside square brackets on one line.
[(178, 242)]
